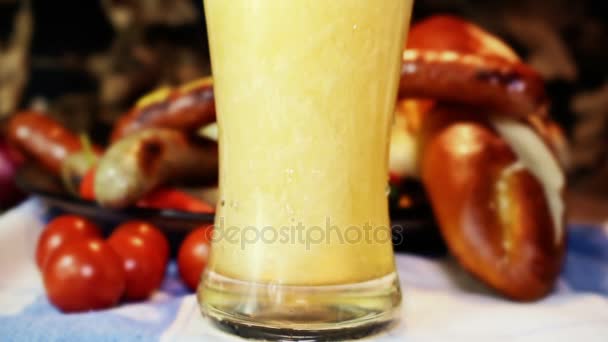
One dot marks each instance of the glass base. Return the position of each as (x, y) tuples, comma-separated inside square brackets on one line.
[(312, 313)]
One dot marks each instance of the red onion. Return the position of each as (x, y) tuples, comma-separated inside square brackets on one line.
[(9, 193)]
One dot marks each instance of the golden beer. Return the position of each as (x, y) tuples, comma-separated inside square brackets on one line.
[(305, 92)]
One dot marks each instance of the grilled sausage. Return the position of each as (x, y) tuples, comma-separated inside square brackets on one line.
[(42, 139), (141, 162), (450, 60), (185, 108)]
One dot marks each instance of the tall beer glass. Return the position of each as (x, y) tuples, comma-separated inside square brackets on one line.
[(305, 92)]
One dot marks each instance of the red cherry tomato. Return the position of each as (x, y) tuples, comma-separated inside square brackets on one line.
[(61, 231), (85, 275), (87, 185), (143, 265), (149, 232), (193, 255)]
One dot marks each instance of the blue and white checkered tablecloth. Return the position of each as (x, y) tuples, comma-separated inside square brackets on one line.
[(441, 302)]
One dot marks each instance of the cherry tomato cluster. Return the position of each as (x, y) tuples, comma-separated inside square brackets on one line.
[(82, 271)]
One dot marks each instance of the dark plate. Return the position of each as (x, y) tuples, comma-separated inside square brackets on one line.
[(414, 229)]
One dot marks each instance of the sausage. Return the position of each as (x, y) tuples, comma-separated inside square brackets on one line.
[(42, 139), (185, 108), (448, 59), (139, 163), (486, 82)]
